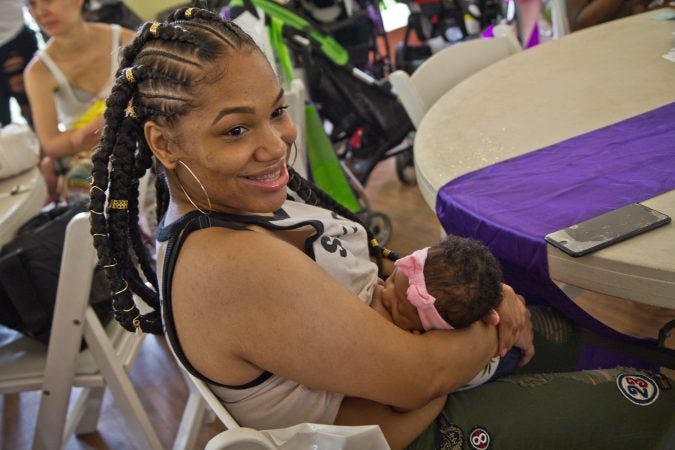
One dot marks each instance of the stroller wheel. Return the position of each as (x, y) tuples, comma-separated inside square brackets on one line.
[(405, 168), (379, 224)]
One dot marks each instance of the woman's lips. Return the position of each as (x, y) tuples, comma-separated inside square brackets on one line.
[(271, 180)]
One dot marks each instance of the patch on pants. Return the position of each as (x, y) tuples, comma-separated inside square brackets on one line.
[(479, 439), (637, 388), (451, 435)]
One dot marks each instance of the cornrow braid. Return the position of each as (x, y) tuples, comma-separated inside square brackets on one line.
[(160, 72), (313, 195)]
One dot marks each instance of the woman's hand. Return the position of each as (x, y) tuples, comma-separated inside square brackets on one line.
[(88, 136), (514, 325)]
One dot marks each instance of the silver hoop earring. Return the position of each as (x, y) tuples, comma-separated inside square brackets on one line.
[(206, 194)]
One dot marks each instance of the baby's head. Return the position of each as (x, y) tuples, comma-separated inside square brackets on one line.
[(449, 285)]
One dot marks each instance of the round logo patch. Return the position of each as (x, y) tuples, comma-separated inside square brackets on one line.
[(451, 437), (479, 438), (639, 389)]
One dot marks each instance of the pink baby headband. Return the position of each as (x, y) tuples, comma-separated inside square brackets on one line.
[(413, 267)]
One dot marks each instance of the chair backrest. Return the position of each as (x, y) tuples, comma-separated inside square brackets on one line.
[(26, 366), (559, 21), (443, 70), (296, 96)]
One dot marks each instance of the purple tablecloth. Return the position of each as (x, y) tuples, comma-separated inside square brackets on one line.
[(510, 206)]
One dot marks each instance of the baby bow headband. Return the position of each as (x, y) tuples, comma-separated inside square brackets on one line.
[(412, 267)]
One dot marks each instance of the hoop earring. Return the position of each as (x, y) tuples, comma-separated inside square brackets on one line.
[(206, 194)]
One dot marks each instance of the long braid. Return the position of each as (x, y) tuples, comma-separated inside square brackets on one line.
[(314, 195), (156, 83)]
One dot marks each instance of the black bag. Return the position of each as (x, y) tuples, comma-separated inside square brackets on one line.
[(29, 274)]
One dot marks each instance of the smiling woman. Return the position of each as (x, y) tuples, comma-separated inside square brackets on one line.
[(265, 282)]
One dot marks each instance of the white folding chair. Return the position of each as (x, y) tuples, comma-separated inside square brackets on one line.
[(559, 21), (295, 97), (26, 365), (443, 70)]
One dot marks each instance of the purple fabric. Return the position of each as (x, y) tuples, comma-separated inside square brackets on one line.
[(510, 206)]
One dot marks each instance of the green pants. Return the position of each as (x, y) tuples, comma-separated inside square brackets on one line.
[(610, 409)]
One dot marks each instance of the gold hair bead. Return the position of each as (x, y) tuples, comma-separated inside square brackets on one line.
[(119, 204), (188, 13), (137, 324), (130, 112), (153, 28), (374, 243), (129, 75)]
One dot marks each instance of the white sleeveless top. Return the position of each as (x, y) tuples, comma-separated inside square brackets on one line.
[(340, 247), (71, 101)]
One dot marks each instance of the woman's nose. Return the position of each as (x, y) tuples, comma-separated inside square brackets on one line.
[(276, 142)]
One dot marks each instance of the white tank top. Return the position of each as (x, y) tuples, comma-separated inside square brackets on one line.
[(340, 247), (71, 101)]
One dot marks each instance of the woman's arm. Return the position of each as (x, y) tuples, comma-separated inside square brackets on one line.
[(586, 13), (400, 428), (247, 302)]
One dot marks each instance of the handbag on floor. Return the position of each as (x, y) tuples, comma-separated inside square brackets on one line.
[(29, 274)]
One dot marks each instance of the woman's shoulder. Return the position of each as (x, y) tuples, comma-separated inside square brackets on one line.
[(38, 74), (105, 30)]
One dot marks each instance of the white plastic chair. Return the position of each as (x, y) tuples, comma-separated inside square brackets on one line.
[(27, 365), (559, 21), (443, 70)]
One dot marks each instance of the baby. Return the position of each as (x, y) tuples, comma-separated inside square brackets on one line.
[(447, 286)]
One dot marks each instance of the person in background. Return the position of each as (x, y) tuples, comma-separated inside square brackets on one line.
[(265, 280), (67, 83), (445, 287), (18, 44), (585, 13)]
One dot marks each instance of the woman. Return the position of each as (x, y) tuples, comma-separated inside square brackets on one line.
[(266, 298), (68, 80)]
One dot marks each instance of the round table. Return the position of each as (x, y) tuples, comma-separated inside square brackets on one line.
[(549, 93)]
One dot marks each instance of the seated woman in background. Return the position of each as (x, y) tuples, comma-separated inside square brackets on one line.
[(586, 13), (67, 83), (265, 281)]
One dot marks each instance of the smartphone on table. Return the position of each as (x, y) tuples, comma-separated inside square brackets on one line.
[(607, 229)]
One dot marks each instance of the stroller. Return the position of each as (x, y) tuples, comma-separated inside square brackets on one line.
[(357, 25)]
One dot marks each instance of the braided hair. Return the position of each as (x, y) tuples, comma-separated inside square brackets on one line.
[(160, 70)]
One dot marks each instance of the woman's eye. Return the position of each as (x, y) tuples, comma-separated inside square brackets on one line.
[(279, 111), (236, 131)]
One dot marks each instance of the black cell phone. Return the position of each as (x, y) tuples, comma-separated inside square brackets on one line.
[(607, 229)]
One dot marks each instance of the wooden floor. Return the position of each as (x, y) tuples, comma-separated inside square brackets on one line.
[(160, 384)]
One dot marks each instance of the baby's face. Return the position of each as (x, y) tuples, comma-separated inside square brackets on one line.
[(395, 300)]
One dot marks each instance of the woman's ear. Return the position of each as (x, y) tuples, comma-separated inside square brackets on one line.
[(160, 143)]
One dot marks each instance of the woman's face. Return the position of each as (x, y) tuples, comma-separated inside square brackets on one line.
[(238, 141), (395, 301), (55, 16)]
